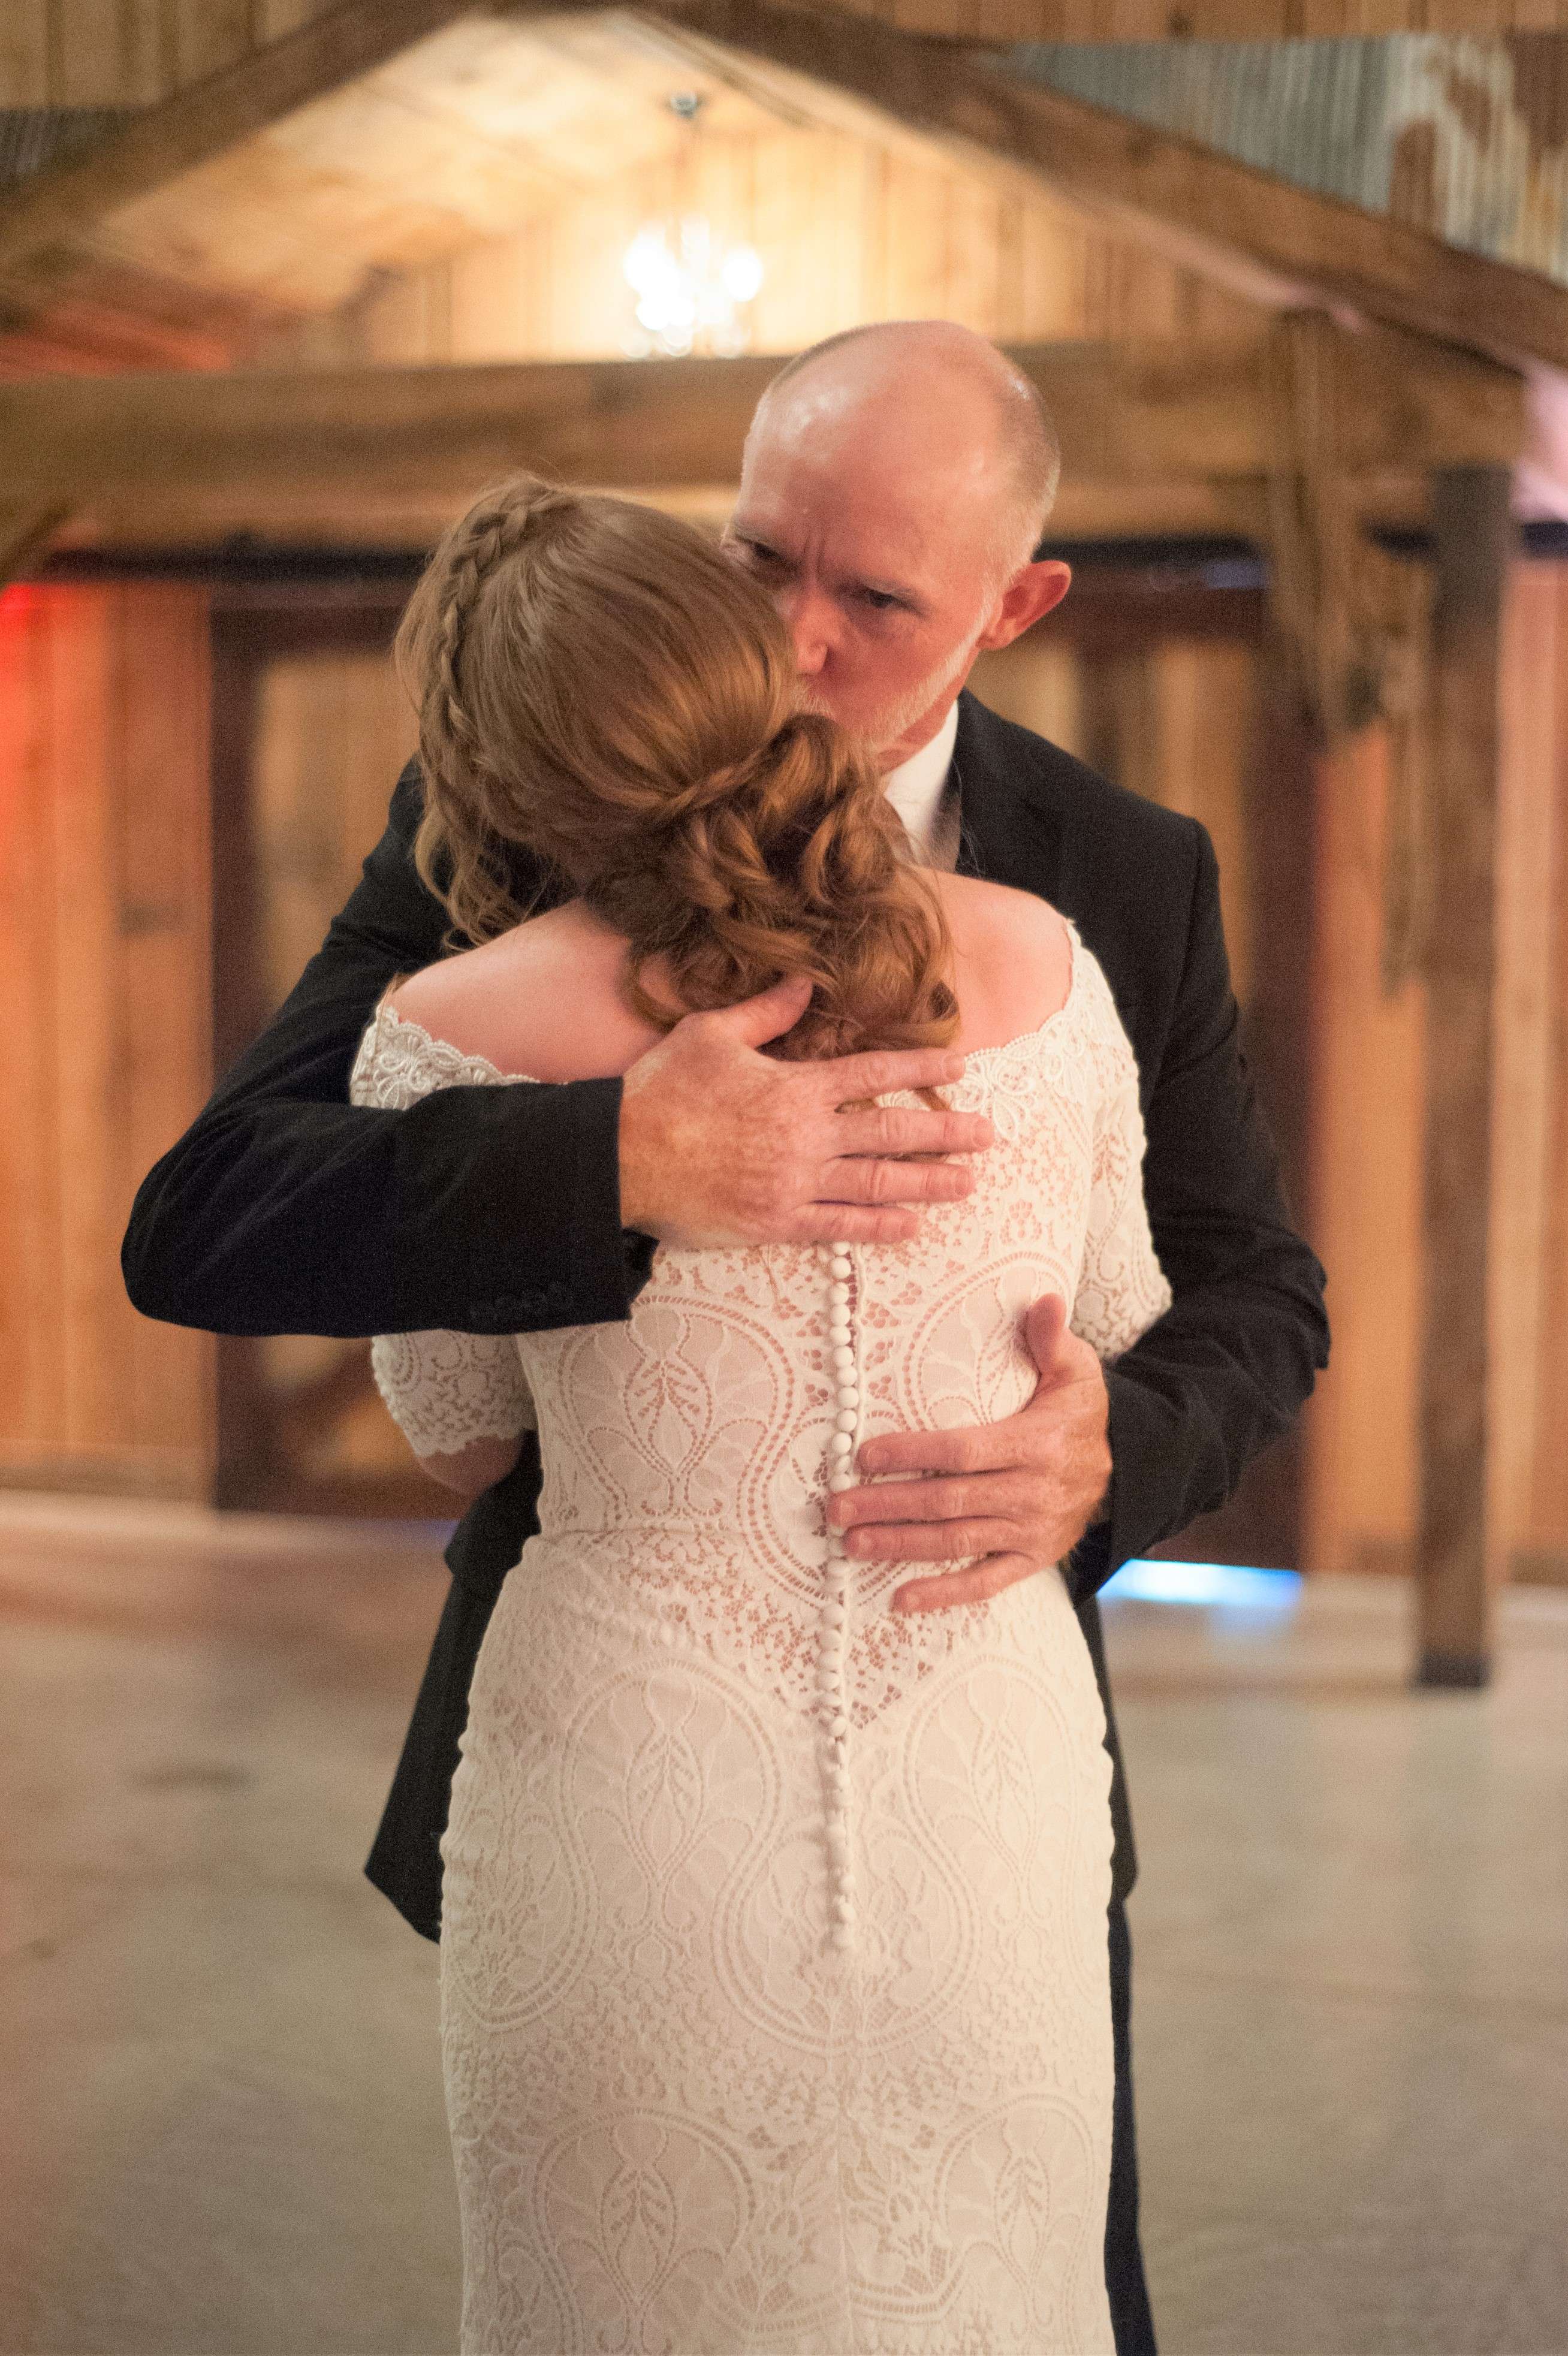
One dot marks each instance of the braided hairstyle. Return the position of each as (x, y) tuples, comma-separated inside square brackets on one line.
[(599, 686)]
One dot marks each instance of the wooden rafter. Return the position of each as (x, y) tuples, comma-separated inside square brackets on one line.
[(1129, 413), (1202, 208), (40, 222)]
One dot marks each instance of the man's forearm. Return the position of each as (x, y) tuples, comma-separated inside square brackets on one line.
[(477, 1210), (285, 1209)]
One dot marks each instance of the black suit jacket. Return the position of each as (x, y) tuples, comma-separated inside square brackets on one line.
[(285, 1210)]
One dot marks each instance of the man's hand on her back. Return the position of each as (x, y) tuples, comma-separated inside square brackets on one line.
[(720, 1144)]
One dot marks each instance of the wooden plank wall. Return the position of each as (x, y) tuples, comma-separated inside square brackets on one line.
[(105, 974), (1367, 1117), (104, 966), (1529, 1236), (1180, 720), (850, 231), (1366, 1217), (131, 52)]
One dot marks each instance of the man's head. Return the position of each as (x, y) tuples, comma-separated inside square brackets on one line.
[(894, 486)]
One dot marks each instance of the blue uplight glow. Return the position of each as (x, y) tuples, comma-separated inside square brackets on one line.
[(1223, 1586)]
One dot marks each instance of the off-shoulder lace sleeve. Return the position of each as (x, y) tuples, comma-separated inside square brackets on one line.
[(1122, 1288), (443, 1389)]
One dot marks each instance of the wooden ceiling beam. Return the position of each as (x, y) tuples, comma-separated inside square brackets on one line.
[(24, 530), (1152, 414), (142, 521), (1200, 208)]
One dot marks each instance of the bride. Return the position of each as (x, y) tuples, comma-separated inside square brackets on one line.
[(775, 2011)]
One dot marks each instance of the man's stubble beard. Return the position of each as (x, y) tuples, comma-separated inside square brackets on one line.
[(885, 727)]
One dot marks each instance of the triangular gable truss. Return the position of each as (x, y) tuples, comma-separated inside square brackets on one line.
[(1278, 244)]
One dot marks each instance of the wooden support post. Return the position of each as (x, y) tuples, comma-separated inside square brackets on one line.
[(1471, 520)]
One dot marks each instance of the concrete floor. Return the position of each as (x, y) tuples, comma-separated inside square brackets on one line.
[(1350, 2006), (223, 2126)]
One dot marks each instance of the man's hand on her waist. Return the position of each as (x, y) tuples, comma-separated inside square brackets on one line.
[(1010, 1498), (720, 1144)]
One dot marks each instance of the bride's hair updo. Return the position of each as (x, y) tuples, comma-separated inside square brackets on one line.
[(598, 685)]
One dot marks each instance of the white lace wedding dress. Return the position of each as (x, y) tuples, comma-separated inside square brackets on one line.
[(774, 1978)]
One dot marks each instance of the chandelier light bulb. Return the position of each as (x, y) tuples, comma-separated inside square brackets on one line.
[(742, 273), (692, 291)]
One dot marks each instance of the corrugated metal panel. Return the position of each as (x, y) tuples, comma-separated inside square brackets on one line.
[(32, 136), (1465, 137)]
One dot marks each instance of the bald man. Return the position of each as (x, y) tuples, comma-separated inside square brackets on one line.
[(895, 487)]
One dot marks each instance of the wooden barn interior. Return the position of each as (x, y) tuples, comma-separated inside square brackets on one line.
[(282, 287), (283, 282)]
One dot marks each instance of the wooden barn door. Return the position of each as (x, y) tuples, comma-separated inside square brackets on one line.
[(309, 733)]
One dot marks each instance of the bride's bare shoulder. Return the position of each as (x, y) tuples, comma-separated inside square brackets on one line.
[(1012, 959), (543, 1000)]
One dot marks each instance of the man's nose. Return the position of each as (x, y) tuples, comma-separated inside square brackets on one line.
[(810, 618)]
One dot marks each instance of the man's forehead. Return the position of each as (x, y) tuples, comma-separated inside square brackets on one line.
[(878, 513), (803, 501)]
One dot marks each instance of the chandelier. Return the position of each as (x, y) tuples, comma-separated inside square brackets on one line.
[(693, 290)]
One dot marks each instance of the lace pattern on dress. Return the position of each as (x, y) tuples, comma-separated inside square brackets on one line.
[(442, 1388), (774, 1977), (685, 1450)]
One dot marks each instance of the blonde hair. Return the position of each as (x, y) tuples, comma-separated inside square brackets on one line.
[(599, 686)]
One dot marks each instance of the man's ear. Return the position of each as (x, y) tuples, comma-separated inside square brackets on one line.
[(1032, 592)]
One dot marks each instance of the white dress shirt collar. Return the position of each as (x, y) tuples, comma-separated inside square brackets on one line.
[(915, 787)]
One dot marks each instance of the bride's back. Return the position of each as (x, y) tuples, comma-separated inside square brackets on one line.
[(758, 1898), (546, 999), (685, 1448)]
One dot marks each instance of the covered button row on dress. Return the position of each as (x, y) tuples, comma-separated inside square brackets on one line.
[(831, 1650)]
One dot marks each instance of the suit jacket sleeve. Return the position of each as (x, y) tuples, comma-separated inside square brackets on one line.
[(1227, 1366), (285, 1209)]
